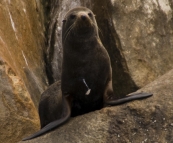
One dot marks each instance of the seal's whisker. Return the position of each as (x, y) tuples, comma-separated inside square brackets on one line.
[(68, 32)]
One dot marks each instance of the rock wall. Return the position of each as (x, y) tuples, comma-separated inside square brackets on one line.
[(22, 43), (17, 112), (22, 72), (145, 31)]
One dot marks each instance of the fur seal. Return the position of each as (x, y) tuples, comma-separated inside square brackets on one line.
[(86, 81)]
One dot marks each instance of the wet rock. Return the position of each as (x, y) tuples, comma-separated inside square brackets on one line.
[(148, 120)]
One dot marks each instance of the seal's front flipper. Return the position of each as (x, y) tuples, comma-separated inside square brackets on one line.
[(130, 97)]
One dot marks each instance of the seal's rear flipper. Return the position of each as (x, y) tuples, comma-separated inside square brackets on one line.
[(53, 124), (130, 97)]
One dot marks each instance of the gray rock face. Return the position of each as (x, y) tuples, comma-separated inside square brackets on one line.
[(144, 29), (148, 120)]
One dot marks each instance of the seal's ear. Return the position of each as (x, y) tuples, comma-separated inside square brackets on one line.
[(64, 21)]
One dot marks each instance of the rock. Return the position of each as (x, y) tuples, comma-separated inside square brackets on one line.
[(148, 120), (143, 33), (22, 43), (18, 115), (22, 70), (134, 34)]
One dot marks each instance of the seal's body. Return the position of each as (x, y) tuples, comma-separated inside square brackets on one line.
[(84, 57), (86, 81)]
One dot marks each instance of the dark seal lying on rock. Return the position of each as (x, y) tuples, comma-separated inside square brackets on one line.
[(86, 82)]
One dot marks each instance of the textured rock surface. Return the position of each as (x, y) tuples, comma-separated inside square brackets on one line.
[(22, 73), (145, 31), (137, 34), (17, 112), (21, 42), (149, 120)]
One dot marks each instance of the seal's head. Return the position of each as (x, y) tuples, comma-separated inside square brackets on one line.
[(79, 23)]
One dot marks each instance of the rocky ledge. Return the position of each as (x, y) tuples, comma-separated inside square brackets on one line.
[(148, 120)]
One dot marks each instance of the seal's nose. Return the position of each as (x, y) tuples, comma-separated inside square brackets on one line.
[(83, 17)]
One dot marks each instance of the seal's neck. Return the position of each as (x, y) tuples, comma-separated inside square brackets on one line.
[(81, 44)]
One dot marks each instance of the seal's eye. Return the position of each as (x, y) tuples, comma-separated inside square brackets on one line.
[(90, 14), (72, 16)]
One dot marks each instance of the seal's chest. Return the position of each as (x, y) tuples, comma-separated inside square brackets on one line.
[(86, 104)]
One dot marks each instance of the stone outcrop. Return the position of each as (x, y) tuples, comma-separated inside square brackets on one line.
[(148, 120), (144, 34), (22, 73), (22, 43), (18, 115)]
